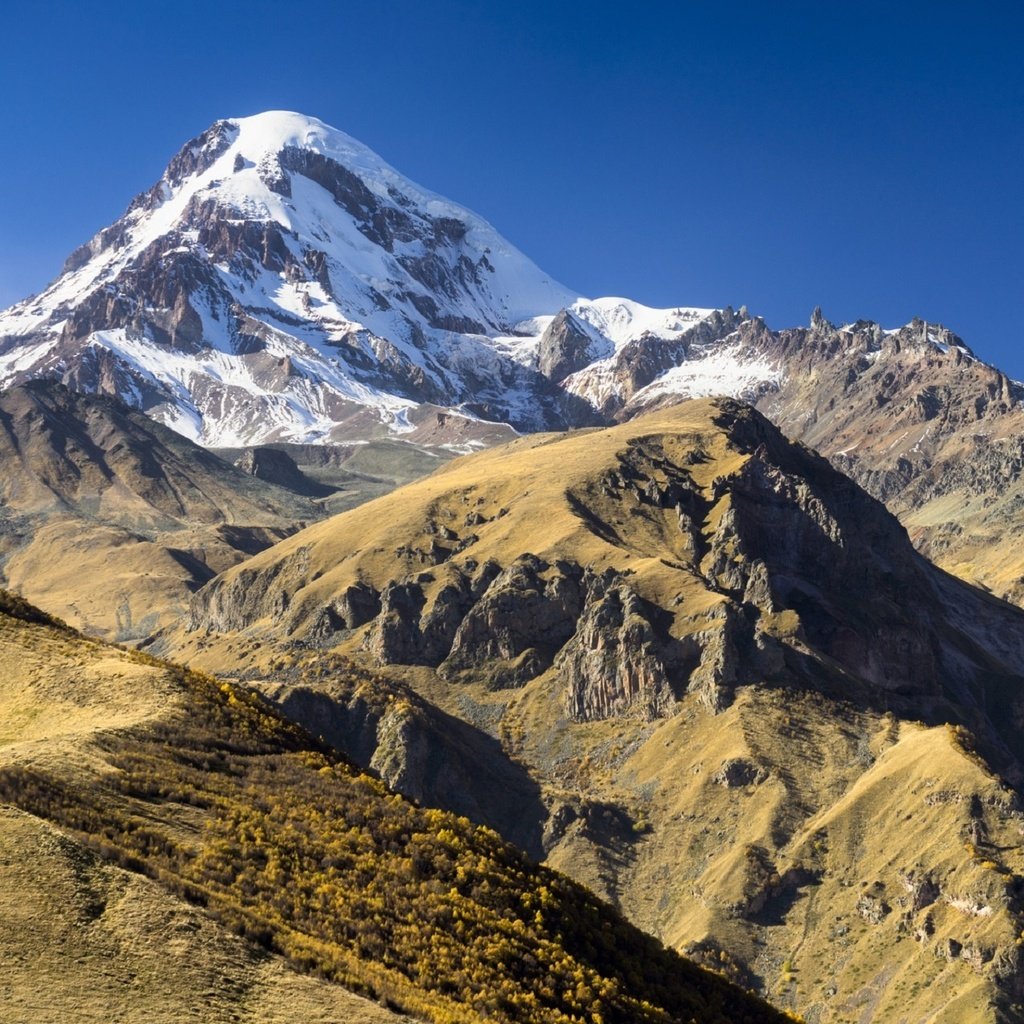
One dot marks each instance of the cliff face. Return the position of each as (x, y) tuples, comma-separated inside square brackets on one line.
[(416, 748)]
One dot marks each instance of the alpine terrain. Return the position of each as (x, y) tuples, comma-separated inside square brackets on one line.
[(508, 595), (282, 283), (752, 715), (274, 869)]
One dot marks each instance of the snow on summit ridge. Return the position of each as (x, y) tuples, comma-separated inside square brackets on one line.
[(526, 289), (283, 282)]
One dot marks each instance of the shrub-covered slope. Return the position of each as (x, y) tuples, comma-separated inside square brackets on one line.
[(204, 788)]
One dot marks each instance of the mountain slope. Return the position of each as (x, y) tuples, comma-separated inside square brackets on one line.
[(81, 938), (113, 520), (124, 948), (202, 787), (713, 654)]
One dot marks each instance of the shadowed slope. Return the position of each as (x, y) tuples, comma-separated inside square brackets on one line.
[(113, 520)]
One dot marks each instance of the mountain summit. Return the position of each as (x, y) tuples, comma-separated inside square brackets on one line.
[(278, 277), (282, 282)]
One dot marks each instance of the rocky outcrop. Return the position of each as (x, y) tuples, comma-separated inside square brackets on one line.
[(416, 749), (618, 660), (395, 636), (567, 346), (738, 772), (528, 611), (726, 634), (611, 649), (439, 626), (258, 595), (274, 466), (355, 606)]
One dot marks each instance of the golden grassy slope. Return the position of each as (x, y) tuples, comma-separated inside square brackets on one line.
[(203, 788), (112, 582), (779, 871), (512, 499), (82, 939)]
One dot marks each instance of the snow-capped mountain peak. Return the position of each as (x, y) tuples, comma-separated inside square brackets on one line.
[(282, 281)]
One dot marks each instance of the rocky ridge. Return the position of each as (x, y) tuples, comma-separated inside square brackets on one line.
[(920, 423), (774, 547), (714, 655)]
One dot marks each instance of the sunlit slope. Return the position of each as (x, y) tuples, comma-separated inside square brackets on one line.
[(266, 833), (727, 672), (513, 499), (81, 938), (86, 941), (708, 548)]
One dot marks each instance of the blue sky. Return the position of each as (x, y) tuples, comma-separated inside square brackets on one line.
[(865, 156)]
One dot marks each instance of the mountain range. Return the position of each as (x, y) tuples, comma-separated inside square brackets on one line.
[(716, 619), (281, 282), (712, 654)]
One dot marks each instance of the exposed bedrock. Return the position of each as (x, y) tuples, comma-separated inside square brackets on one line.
[(618, 659), (778, 570)]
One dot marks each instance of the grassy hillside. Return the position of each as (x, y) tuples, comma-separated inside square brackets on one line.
[(755, 718), (123, 948), (205, 789)]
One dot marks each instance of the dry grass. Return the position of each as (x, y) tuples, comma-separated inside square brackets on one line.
[(83, 941), (204, 788)]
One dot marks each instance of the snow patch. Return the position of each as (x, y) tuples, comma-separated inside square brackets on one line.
[(718, 370)]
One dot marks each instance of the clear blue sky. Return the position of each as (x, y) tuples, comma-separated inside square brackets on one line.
[(867, 157)]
